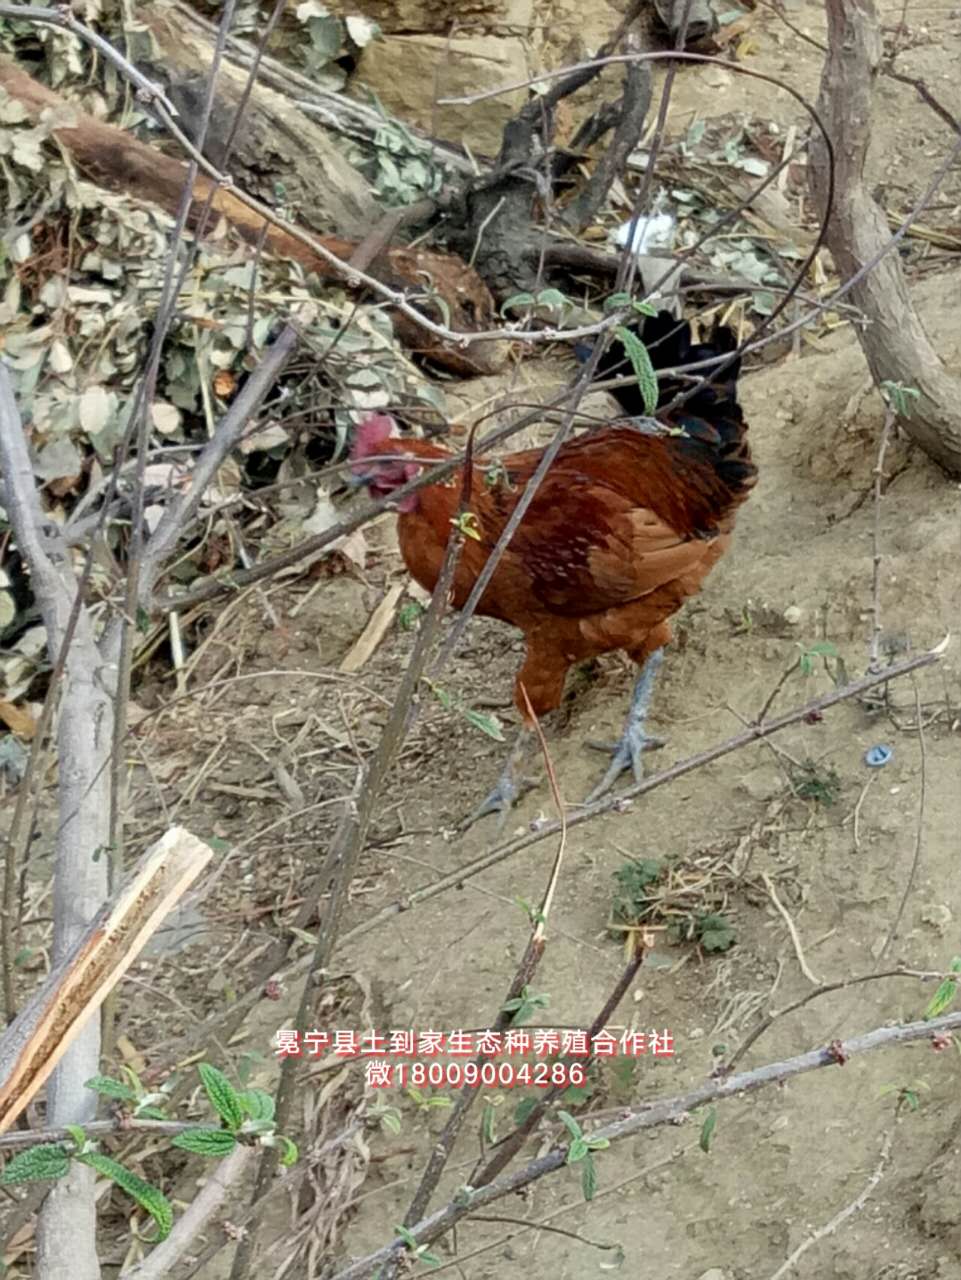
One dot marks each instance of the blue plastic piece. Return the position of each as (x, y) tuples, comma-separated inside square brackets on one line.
[(877, 757)]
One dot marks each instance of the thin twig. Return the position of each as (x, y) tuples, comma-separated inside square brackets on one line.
[(919, 829), (920, 975), (874, 663), (842, 1216), (792, 930)]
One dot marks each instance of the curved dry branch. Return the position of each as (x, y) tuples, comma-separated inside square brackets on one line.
[(894, 342)]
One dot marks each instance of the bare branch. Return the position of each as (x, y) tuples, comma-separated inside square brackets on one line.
[(181, 508)]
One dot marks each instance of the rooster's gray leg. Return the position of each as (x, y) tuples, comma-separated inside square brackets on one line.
[(628, 753), (510, 786)]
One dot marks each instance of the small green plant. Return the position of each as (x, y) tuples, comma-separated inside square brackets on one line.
[(900, 397), (408, 614), (496, 476), (552, 299), (136, 1100), (814, 783), (389, 1118), (810, 653), (581, 1151), (709, 930), (524, 1005), (908, 1095), (246, 1116), (51, 1161), (534, 914), (467, 526), (632, 902), (615, 301)]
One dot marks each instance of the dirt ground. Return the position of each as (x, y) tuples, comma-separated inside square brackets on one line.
[(869, 879)]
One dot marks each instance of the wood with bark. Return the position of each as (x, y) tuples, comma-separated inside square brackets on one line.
[(118, 161), (895, 343), (45, 1028)]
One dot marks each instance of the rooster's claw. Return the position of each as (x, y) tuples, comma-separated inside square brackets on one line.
[(628, 754), (501, 800)]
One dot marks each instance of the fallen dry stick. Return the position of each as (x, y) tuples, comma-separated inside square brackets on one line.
[(42, 1032)]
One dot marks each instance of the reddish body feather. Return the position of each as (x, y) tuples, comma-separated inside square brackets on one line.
[(624, 528)]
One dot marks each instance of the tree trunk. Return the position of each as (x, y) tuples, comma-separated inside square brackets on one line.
[(894, 342)]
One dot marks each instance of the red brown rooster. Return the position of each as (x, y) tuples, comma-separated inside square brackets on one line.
[(625, 526)]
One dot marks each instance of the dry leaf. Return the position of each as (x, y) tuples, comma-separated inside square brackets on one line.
[(17, 720)]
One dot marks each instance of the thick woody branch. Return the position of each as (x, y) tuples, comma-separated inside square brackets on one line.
[(895, 344), (77, 986)]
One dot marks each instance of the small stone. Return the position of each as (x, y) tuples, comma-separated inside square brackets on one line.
[(792, 615)]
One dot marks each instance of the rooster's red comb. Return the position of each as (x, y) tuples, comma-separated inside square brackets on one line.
[(371, 434)]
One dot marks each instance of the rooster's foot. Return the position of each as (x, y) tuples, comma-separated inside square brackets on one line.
[(629, 752), (511, 786)]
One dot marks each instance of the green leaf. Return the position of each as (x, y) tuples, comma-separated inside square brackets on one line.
[(554, 299), (408, 1238), (149, 1198), (77, 1134), (615, 301), (248, 1060), (707, 1129), (257, 1104), (578, 1150), (716, 933), (640, 360), (823, 648), (569, 1123), (47, 1160), (490, 725), (944, 997), (589, 1177), (523, 1109), (222, 1094), (205, 1142), (391, 1120), (290, 1153), (110, 1088), (407, 616), (517, 300), (488, 1126)]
